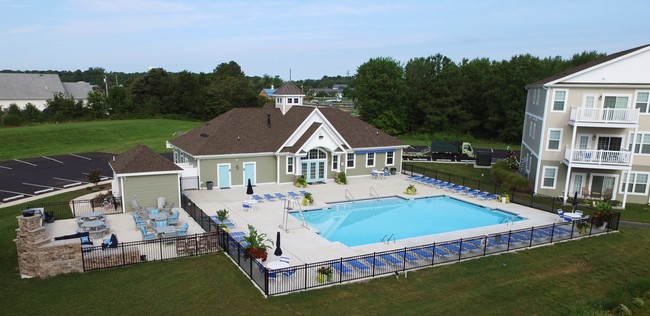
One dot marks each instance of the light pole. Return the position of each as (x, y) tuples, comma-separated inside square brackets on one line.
[(106, 85)]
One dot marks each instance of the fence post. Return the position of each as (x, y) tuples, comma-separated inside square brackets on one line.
[(305, 269), (123, 255)]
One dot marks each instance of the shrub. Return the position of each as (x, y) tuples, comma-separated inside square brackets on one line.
[(638, 302), (11, 120), (507, 178)]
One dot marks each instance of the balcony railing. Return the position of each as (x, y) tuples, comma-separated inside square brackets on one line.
[(604, 115), (598, 157)]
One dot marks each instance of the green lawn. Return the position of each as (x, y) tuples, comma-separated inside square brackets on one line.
[(96, 136), (569, 278)]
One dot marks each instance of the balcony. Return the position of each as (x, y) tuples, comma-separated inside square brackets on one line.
[(599, 159), (604, 117)]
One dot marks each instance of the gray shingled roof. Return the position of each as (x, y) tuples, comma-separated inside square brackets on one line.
[(78, 90), (288, 88), (584, 66), (18, 86), (142, 159), (245, 130)]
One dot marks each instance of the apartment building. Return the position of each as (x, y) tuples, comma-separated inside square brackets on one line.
[(587, 130)]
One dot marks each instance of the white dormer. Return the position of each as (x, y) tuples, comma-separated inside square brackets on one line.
[(287, 96)]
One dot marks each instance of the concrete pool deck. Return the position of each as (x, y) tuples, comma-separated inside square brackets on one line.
[(303, 245)]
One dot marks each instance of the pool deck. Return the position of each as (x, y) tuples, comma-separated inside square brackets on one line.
[(303, 245)]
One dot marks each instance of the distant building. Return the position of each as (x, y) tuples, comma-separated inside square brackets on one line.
[(36, 89), (268, 92), (335, 91)]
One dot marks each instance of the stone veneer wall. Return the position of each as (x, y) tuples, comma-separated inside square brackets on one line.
[(38, 256)]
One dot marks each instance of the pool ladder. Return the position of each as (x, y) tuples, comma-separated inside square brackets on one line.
[(374, 193), (507, 221), (387, 241), (348, 196)]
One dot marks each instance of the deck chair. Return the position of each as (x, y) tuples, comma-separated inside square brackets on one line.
[(358, 264), (257, 198), (245, 207), (269, 197), (135, 206), (376, 262), (294, 195), (341, 268), (280, 196)]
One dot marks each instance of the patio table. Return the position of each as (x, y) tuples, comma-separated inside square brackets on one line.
[(158, 217), (165, 229), (91, 216), (273, 265)]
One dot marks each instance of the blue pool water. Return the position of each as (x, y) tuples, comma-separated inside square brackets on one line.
[(366, 222)]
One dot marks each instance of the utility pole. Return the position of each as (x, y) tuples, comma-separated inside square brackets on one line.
[(106, 85)]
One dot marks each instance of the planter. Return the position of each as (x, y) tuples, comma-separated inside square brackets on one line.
[(322, 278), (258, 253), (503, 200)]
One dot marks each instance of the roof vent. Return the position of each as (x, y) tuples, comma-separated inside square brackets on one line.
[(204, 135), (268, 120)]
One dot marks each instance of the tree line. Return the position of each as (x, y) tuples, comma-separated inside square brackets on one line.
[(427, 95), (480, 97)]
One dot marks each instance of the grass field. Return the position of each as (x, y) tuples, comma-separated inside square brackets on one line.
[(97, 136), (572, 278)]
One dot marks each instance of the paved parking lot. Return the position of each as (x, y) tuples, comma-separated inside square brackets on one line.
[(23, 178)]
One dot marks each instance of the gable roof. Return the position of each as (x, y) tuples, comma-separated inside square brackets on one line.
[(141, 159), (246, 131), (268, 91), (19, 86), (77, 90), (289, 88), (585, 66)]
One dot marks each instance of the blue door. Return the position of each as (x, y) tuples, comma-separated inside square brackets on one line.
[(224, 176), (249, 172)]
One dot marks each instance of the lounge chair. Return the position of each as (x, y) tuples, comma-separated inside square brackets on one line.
[(280, 196), (358, 264), (294, 195), (147, 235), (374, 261), (390, 259), (257, 198), (269, 197), (422, 253), (341, 268), (408, 256), (246, 207), (303, 192)]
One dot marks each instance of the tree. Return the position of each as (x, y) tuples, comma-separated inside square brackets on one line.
[(31, 113), (151, 92), (380, 88), (97, 105), (63, 108)]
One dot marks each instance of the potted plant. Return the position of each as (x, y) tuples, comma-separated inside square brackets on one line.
[(324, 273), (256, 244), (222, 216), (300, 182), (582, 227), (341, 178), (410, 190), (308, 199), (603, 214), (505, 198)]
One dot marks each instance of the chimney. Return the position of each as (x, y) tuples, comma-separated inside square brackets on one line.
[(268, 120)]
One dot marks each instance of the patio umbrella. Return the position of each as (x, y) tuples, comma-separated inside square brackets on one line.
[(278, 251), (249, 188), (575, 201)]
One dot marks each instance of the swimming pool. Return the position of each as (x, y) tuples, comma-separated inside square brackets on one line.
[(367, 222)]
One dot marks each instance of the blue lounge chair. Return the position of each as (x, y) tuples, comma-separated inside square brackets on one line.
[(280, 196), (341, 268), (408, 256), (269, 197), (294, 195), (422, 253), (376, 262), (358, 264), (257, 198), (146, 235), (441, 252), (489, 197), (303, 192), (390, 259)]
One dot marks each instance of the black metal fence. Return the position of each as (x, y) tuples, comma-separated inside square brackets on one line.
[(411, 169)]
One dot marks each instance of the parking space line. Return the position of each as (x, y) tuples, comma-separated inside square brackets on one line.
[(59, 161), (3, 167), (13, 198), (25, 162), (69, 180), (71, 184), (44, 190), (14, 192), (40, 185), (82, 157)]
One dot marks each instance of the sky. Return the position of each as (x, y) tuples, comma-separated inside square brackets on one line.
[(307, 39)]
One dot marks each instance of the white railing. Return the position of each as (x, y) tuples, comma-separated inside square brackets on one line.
[(598, 157), (604, 115)]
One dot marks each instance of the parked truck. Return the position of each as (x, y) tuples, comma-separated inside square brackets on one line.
[(452, 150)]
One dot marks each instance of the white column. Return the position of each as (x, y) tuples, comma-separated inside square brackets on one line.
[(627, 178)]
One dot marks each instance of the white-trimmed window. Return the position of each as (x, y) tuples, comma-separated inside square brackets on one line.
[(335, 162), (350, 160), (638, 183), (642, 101), (278, 100), (554, 139), (289, 100), (390, 158), (370, 159), (642, 145), (550, 174), (559, 100), (295, 100), (290, 164)]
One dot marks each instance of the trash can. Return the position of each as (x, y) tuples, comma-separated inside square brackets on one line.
[(393, 171), (49, 217), (484, 158), (209, 185)]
